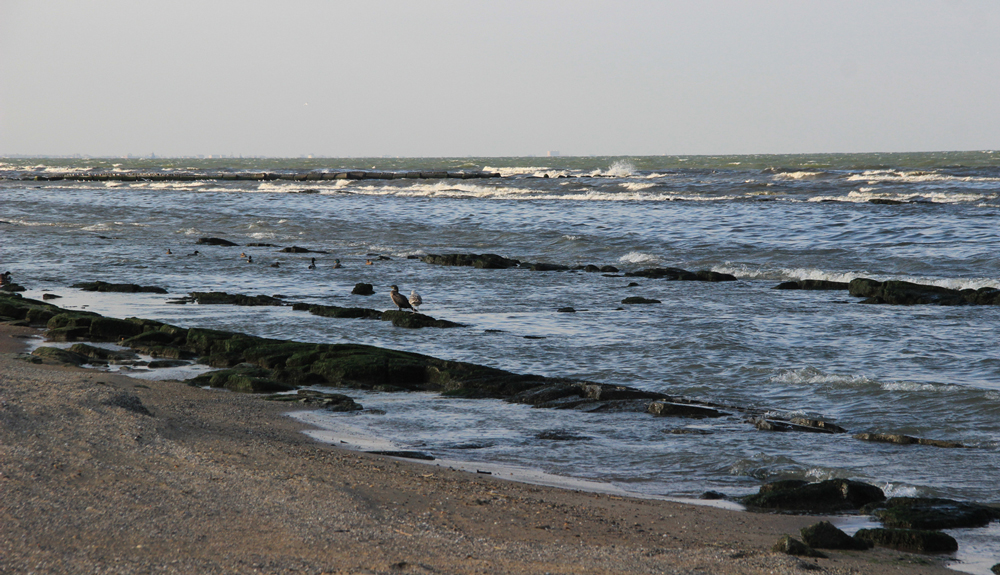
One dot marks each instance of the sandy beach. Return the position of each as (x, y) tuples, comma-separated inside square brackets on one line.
[(102, 473)]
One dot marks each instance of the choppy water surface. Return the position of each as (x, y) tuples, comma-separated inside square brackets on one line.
[(926, 371)]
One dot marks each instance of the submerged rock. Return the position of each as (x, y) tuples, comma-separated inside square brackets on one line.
[(828, 496), (813, 285), (906, 440), (329, 401), (911, 540), (639, 300), (363, 289), (932, 513), (223, 298), (543, 267), (797, 424), (100, 286), (895, 292), (682, 275), (483, 261), (669, 409), (215, 242)]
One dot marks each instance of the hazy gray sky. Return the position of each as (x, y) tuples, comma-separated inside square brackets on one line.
[(460, 78)]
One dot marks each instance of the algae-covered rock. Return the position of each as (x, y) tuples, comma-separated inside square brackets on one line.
[(670, 409), (415, 320), (482, 261), (828, 496), (363, 289), (101, 354), (792, 546), (932, 513), (824, 535), (244, 380), (344, 312), (60, 356), (329, 401), (111, 329), (217, 298), (911, 540), (823, 285), (100, 286), (900, 439), (639, 300)]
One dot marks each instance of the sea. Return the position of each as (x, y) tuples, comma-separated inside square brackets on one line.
[(925, 371)]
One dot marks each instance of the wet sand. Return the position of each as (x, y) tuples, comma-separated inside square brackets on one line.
[(102, 473)]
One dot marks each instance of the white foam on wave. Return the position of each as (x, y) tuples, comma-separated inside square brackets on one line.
[(638, 258), (866, 194), (618, 169), (536, 171), (637, 186), (893, 490), (497, 192), (908, 177), (803, 175), (813, 377), (571, 238), (746, 271)]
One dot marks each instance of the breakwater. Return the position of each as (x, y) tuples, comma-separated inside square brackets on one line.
[(299, 176)]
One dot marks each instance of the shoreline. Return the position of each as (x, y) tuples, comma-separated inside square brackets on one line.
[(226, 482)]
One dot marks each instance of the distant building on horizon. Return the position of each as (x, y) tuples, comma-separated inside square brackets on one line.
[(552, 153)]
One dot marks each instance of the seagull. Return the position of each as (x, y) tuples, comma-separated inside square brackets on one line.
[(312, 266), (415, 300), (399, 299)]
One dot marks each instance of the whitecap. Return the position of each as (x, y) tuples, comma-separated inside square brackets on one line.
[(638, 258)]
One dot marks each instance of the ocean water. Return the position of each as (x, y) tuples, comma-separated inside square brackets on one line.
[(926, 371)]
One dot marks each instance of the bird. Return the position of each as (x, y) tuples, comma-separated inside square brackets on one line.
[(243, 255), (369, 263), (312, 266), (195, 253), (249, 259), (336, 264), (169, 252), (415, 300), (276, 264), (399, 299)]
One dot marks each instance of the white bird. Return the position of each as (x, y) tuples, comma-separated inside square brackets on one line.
[(399, 299), (415, 299)]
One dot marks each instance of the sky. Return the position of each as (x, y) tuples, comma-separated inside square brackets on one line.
[(511, 78)]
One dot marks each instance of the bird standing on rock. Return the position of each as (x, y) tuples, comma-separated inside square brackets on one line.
[(415, 300), (399, 299)]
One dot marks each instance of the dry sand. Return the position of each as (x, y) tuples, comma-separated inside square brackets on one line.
[(218, 482)]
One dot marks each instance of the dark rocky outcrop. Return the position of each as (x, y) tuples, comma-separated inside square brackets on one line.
[(329, 401), (906, 440), (543, 267), (298, 250), (932, 513), (60, 356), (813, 285), (671, 409), (678, 274), (830, 496), (791, 546), (824, 535), (639, 300), (100, 286), (415, 320), (363, 289), (483, 261), (12, 287), (104, 355), (561, 435), (796, 424), (48, 296), (911, 540), (223, 298), (215, 242), (895, 292), (243, 379)]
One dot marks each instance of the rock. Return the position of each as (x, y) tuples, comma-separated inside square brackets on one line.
[(932, 513), (298, 250), (48, 296), (561, 435), (639, 300), (100, 286), (541, 267), (60, 356), (215, 242), (546, 393), (261, 245), (104, 355), (791, 546), (483, 261), (363, 289), (566, 310), (797, 424), (830, 496), (813, 285), (68, 334), (682, 275), (330, 401), (896, 292), (415, 320), (167, 363), (668, 409), (910, 540), (245, 380), (591, 268), (223, 298), (884, 201), (906, 440), (112, 329), (824, 535), (39, 316), (609, 269), (344, 312), (128, 402), (712, 496), (608, 392)]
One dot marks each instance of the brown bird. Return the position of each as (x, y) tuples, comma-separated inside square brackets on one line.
[(399, 299)]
